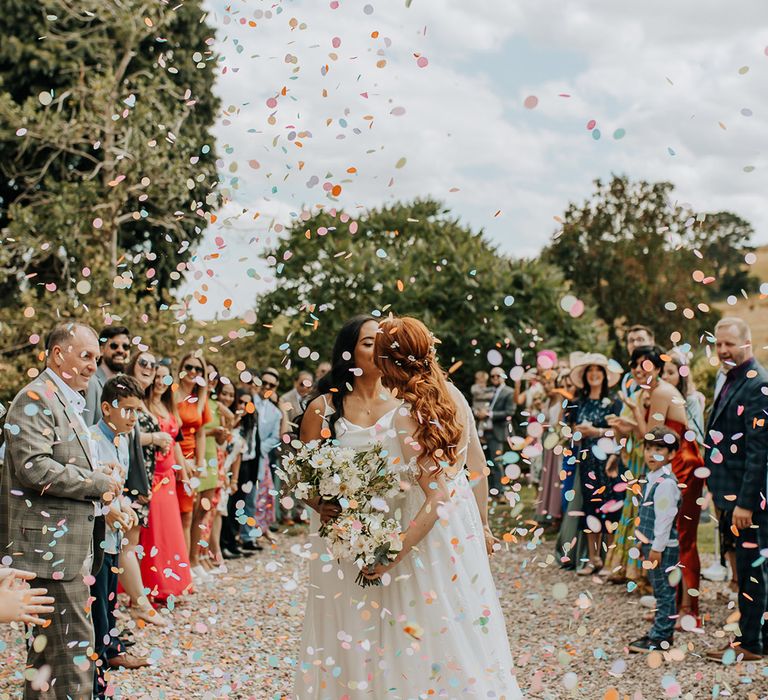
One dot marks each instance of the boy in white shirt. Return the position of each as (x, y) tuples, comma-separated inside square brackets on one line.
[(657, 534)]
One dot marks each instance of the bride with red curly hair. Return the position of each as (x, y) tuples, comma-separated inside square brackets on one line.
[(446, 632)]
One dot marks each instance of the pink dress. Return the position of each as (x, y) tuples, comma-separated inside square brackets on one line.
[(165, 564)]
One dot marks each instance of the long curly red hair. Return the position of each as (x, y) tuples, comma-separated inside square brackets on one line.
[(404, 352)]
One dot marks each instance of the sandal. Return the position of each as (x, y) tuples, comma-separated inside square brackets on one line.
[(589, 569)]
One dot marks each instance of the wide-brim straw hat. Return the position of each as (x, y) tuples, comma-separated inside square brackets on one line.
[(581, 360)]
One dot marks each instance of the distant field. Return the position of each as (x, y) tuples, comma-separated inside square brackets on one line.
[(755, 309)]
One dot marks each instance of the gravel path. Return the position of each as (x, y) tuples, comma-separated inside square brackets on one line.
[(239, 638)]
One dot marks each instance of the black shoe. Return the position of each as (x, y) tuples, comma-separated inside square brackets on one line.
[(251, 547), (231, 554), (274, 528), (645, 645)]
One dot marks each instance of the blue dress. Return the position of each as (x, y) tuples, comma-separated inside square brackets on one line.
[(597, 489)]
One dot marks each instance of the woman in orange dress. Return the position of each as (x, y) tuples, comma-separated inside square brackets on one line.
[(192, 405), (165, 568), (666, 406)]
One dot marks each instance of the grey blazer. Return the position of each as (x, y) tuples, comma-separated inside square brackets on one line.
[(48, 486), (502, 411)]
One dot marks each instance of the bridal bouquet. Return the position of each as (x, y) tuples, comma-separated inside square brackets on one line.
[(367, 538), (359, 482)]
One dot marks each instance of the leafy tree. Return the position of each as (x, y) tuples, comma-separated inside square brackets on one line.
[(414, 259), (105, 150), (107, 165), (630, 250)]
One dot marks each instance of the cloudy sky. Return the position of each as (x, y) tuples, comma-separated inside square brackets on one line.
[(438, 99)]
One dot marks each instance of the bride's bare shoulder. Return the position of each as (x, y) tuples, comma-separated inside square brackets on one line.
[(320, 405)]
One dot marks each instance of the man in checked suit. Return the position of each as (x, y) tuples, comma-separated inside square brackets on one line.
[(50, 495), (737, 457)]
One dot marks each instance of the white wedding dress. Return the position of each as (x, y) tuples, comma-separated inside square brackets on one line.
[(434, 630)]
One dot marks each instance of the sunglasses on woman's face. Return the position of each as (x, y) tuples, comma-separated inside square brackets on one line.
[(269, 385), (193, 368), (146, 364), (121, 346)]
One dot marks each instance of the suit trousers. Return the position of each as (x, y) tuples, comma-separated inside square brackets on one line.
[(493, 452), (64, 646), (663, 627), (753, 581), (107, 642)]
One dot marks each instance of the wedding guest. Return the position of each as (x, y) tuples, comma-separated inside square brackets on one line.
[(677, 372), (657, 535), (549, 496), (120, 403), (292, 402), (165, 568), (50, 492), (321, 370), (194, 413), (659, 403), (736, 456), (594, 378), (496, 424), (245, 477), (216, 434), (240, 463), (481, 395), (637, 336), (224, 399), (260, 502), (629, 465), (115, 346), (142, 368)]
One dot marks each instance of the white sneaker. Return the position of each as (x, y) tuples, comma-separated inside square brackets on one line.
[(648, 601), (200, 574)]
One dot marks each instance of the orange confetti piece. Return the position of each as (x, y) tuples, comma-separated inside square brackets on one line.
[(336, 190), (400, 285)]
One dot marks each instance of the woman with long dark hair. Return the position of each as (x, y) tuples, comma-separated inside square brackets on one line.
[(660, 403), (352, 407)]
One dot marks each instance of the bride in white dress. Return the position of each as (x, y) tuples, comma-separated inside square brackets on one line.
[(435, 627)]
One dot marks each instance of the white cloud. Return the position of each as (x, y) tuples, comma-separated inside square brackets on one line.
[(466, 127)]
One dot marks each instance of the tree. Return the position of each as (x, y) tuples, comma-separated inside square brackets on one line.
[(107, 165), (105, 148), (414, 259), (630, 250)]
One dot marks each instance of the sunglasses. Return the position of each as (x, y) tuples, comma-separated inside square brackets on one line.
[(121, 346), (242, 402), (497, 376), (269, 385), (146, 364), (193, 368)]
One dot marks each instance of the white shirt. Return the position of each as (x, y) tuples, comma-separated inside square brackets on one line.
[(74, 399), (76, 402), (665, 501)]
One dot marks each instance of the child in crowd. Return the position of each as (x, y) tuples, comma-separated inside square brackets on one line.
[(657, 534), (121, 400)]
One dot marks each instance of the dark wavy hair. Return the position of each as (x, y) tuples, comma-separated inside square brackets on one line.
[(648, 352), (340, 379)]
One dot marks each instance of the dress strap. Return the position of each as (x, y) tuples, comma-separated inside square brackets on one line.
[(327, 410)]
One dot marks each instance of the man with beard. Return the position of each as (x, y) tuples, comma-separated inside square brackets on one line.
[(736, 457), (115, 345)]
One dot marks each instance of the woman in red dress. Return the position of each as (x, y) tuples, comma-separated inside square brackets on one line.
[(165, 566), (666, 406)]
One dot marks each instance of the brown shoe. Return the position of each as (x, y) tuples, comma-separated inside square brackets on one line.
[(128, 661), (741, 654)]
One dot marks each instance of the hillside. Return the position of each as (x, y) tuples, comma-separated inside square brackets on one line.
[(755, 309)]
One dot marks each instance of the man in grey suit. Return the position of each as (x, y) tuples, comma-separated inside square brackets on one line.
[(50, 495), (496, 427)]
